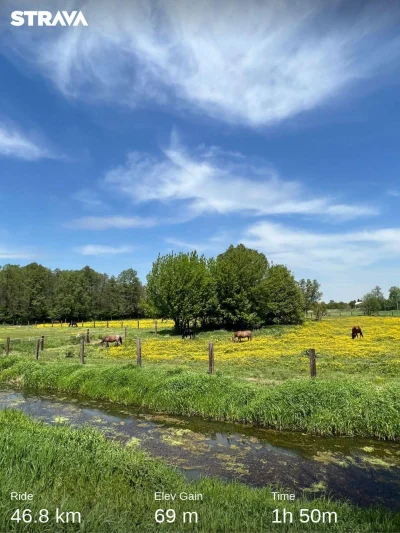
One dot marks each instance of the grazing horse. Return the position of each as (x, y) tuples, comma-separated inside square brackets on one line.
[(111, 338), (356, 331), (239, 335), (188, 333), (73, 324)]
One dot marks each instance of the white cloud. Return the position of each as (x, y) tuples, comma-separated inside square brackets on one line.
[(13, 143), (89, 198), (111, 222), (250, 62), (323, 252), (208, 181), (213, 244), (6, 253), (99, 249)]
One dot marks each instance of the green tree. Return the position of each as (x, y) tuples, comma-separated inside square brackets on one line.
[(38, 290), (180, 287), (280, 299), (394, 297), (131, 293), (319, 310), (378, 294), (238, 274), (14, 303), (311, 292), (371, 303)]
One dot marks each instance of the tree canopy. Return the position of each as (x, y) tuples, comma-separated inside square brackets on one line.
[(238, 289), (34, 292)]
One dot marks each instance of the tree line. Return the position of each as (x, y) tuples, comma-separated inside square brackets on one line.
[(36, 293), (375, 300), (237, 289)]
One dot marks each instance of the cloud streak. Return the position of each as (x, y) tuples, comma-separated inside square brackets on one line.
[(16, 144), (209, 181), (322, 252), (255, 63), (111, 222), (99, 249)]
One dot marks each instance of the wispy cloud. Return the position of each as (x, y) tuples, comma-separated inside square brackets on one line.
[(14, 143), (89, 198), (213, 244), (321, 252), (250, 62), (12, 253), (207, 181), (99, 249), (111, 222)]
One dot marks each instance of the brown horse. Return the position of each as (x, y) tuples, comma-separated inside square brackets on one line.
[(356, 331), (239, 335), (111, 338)]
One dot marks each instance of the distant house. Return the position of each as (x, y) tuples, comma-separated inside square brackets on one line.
[(357, 304)]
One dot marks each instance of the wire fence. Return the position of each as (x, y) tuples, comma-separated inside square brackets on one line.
[(85, 338)]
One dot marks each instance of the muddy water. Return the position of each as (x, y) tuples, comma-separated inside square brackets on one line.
[(364, 471)]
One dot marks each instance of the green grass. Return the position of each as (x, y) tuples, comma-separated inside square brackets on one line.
[(325, 407), (62, 345), (113, 489)]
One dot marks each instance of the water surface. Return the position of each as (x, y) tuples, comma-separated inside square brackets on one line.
[(364, 471)]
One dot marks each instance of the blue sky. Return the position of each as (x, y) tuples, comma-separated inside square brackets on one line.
[(171, 126)]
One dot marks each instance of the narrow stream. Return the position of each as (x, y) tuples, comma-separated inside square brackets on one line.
[(364, 471)]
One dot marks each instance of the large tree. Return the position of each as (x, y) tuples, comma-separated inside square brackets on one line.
[(311, 292), (378, 294), (238, 274), (280, 299), (394, 297), (131, 293), (180, 287), (371, 303)]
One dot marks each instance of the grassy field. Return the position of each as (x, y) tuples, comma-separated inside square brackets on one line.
[(112, 487), (275, 354), (265, 381)]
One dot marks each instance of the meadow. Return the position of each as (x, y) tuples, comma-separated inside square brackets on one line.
[(265, 381)]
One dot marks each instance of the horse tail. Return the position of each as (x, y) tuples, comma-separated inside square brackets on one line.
[(120, 339)]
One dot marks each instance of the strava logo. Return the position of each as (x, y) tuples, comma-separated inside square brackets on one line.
[(46, 18)]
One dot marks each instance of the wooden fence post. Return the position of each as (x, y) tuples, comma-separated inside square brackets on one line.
[(125, 334), (107, 323), (8, 345), (87, 336), (37, 348), (138, 324), (313, 363), (42, 343), (211, 358), (155, 327), (82, 351), (94, 324), (139, 351), (122, 324), (82, 323)]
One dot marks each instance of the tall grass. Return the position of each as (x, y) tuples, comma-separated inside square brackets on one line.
[(113, 489), (346, 407)]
